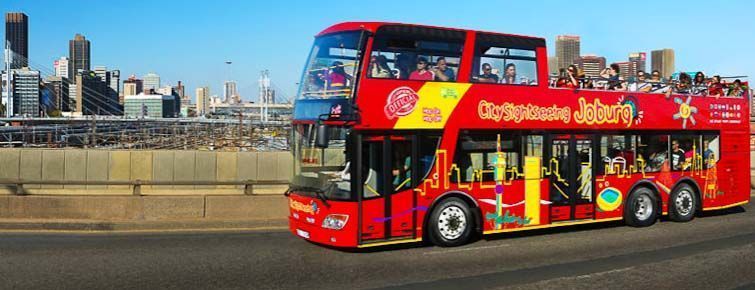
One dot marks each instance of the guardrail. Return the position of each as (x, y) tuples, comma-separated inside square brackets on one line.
[(136, 185)]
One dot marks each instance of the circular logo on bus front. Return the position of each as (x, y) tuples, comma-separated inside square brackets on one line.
[(401, 102)]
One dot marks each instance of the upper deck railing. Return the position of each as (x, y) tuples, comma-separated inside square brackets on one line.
[(736, 89)]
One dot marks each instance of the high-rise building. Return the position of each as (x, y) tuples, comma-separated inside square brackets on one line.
[(92, 96), (663, 61), (132, 86), (17, 33), (639, 59), (553, 65), (179, 89), (229, 91), (567, 50), (203, 100), (26, 92), (626, 68), (79, 53), (63, 68), (592, 65), (151, 82), (59, 87), (115, 82), (102, 73)]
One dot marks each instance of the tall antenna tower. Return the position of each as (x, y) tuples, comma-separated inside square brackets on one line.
[(266, 96)]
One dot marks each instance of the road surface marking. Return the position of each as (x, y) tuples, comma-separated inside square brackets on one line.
[(604, 272), (466, 249)]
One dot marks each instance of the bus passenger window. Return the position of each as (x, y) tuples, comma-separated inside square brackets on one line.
[(710, 150), (401, 165), (416, 53), (653, 150), (477, 154), (428, 146), (504, 60), (615, 156)]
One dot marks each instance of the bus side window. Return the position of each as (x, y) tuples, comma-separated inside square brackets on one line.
[(428, 146), (653, 149), (416, 53), (711, 145), (616, 155), (476, 156), (504, 60)]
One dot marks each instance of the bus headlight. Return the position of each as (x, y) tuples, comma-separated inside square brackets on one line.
[(335, 221)]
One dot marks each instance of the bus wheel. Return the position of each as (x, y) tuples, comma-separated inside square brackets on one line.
[(451, 223), (682, 204), (641, 209)]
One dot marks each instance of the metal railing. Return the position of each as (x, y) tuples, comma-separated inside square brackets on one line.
[(136, 185)]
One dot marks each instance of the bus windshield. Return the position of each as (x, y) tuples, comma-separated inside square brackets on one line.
[(322, 171), (332, 66)]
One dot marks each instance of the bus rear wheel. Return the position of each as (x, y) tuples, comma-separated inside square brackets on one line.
[(451, 223), (682, 204), (641, 209)]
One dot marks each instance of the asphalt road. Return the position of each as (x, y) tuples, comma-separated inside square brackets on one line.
[(716, 251)]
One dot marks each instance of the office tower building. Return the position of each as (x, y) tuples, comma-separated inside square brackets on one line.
[(567, 50), (663, 61), (592, 65), (17, 35), (63, 68), (79, 54), (203, 100), (151, 82)]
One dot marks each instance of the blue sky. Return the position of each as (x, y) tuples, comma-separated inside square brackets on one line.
[(190, 40)]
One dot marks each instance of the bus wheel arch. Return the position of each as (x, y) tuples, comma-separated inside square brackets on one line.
[(644, 189), (470, 204)]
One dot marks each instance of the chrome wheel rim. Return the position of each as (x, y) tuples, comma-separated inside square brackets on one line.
[(684, 202), (643, 207), (452, 222)]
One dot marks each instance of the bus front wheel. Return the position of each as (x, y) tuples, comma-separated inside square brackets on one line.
[(641, 209), (451, 223)]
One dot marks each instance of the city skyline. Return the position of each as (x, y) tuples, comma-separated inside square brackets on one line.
[(196, 53)]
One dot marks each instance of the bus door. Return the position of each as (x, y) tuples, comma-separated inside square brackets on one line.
[(571, 166), (387, 200)]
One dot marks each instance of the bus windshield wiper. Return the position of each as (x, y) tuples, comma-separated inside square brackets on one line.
[(319, 193)]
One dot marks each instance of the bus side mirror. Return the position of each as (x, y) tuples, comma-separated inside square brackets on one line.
[(323, 138)]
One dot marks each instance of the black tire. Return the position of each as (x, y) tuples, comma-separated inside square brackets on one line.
[(682, 204), (641, 208), (445, 222)]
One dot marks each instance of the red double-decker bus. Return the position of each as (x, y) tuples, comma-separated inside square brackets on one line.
[(406, 133)]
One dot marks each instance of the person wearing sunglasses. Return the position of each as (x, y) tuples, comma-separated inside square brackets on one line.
[(640, 84), (422, 73), (487, 75)]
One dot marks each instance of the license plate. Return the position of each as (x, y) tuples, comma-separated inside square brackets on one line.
[(302, 234)]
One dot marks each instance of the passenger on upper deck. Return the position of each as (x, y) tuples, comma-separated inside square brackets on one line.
[(487, 75), (615, 82), (736, 90), (716, 88), (656, 86), (422, 74), (684, 85), (509, 75), (379, 67), (403, 65), (640, 84), (699, 86), (442, 71)]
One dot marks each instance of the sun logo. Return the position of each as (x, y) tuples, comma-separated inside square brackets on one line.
[(685, 111)]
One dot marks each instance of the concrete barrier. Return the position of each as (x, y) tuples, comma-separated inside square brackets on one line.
[(143, 208), (124, 165)]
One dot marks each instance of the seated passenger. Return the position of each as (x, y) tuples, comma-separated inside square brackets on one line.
[(442, 72), (422, 73), (379, 67), (656, 85), (568, 78), (640, 84), (716, 88), (509, 74), (736, 90), (584, 81), (487, 75), (699, 87), (684, 85), (615, 82), (338, 78), (403, 65)]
